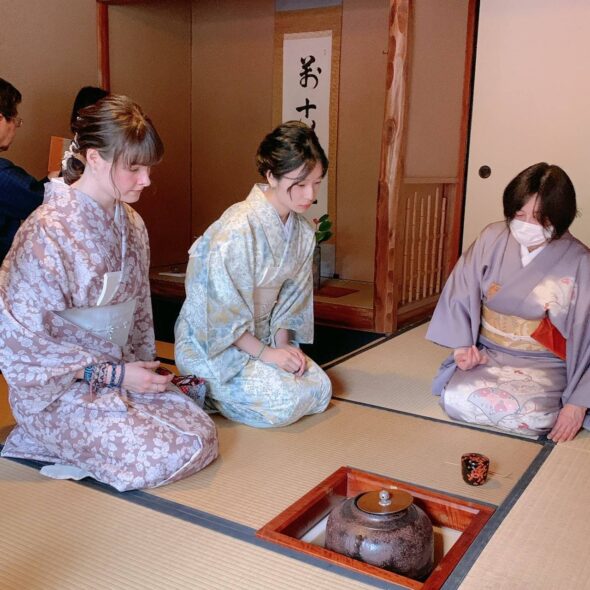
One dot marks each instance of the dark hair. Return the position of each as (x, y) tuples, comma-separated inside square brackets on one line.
[(10, 97), (289, 146), (555, 193), (87, 95), (119, 130)]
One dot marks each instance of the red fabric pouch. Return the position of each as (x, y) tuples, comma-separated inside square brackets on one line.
[(190, 385)]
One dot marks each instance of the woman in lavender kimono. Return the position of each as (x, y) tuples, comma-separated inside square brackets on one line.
[(516, 309), (249, 292), (76, 335)]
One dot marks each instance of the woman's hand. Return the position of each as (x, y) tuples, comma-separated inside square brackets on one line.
[(140, 377), (287, 357), (569, 421), (469, 357)]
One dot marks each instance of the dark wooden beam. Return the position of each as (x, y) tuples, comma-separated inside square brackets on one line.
[(102, 34)]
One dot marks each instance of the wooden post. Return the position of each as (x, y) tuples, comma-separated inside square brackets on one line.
[(102, 33), (454, 240), (391, 167)]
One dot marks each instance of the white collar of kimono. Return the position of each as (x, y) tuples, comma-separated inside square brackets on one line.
[(287, 225), (526, 257)]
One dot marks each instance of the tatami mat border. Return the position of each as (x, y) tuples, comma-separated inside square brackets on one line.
[(541, 441), (371, 345), (356, 351), (217, 524), (248, 534)]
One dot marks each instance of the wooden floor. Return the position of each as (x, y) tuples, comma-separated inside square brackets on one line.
[(200, 532)]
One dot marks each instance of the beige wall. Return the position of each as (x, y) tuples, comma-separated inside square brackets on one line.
[(232, 68), (436, 88), (151, 63), (232, 52), (362, 102), (202, 70), (48, 51), (530, 102)]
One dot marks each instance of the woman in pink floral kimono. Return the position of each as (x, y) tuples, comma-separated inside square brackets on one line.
[(76, 332)]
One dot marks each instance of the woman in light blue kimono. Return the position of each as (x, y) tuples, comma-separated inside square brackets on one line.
[(249, 294), (516, 309)]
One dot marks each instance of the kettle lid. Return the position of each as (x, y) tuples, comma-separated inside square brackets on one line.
[(384, 501)]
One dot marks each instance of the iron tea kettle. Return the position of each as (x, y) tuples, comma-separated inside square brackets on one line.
[(386, 529)]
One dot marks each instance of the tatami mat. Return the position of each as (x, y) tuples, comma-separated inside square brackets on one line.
[(261, 471), (64, 536), (397, 375), (543, 542)]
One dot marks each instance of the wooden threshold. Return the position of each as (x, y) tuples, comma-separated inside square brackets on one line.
[(343, 316)]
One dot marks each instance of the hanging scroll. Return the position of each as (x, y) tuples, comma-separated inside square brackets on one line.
[(306, 81)]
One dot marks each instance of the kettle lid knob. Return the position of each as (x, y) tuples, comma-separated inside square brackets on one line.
[(384, 498)]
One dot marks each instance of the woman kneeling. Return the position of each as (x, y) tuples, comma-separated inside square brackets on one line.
[(76, 337), (250, 296), (515, 309)]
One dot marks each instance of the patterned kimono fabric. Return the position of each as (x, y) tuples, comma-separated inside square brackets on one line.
[(56, 266), (532, 324), (246, 275)]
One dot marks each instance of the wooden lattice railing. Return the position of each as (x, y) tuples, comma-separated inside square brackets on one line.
[(422, 242)]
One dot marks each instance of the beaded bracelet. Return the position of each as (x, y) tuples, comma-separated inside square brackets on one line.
[(121, 375), (88, 373), (99, 374)]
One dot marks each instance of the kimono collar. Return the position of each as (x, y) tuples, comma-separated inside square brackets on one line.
[(517, 284), (81, 208), (62, 195), (271, 222), (263, 207)]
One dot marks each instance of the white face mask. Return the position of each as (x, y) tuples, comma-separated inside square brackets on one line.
[(529, 234)]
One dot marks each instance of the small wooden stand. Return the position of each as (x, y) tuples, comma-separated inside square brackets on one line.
[(444, 511)]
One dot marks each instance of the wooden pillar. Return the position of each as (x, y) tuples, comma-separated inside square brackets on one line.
[(102, 33), (391, 167), (454, 240)]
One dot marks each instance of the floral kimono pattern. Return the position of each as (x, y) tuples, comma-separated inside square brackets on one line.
[(58, 260), (246, 275), (492, 301)]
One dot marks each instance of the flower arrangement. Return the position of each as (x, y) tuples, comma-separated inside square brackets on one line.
[(323, 227)]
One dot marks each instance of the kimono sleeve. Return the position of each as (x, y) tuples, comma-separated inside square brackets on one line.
[(294, 309), (142, 339), (230, 292), (219, 307), (38, 364), (456, 319), (577, 390)]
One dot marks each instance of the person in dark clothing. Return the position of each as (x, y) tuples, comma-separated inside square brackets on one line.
[(20, 193), (87, 96)]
